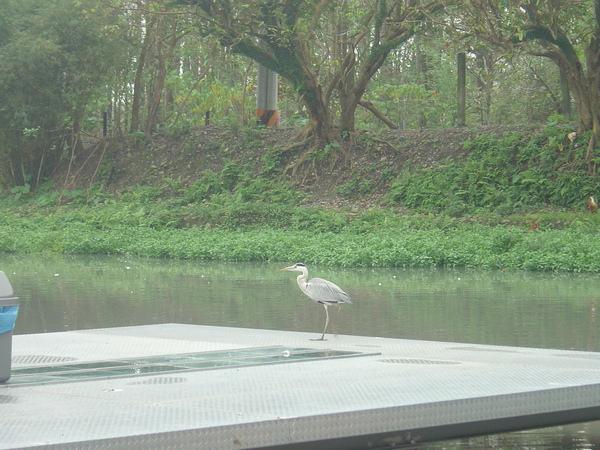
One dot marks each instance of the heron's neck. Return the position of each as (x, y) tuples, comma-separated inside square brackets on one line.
[(302, 277), (302, 281)]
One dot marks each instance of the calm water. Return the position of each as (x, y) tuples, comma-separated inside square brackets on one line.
[(504, 308)]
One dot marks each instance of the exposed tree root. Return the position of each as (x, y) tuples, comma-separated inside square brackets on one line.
[(297, 144), (304, 156), (314, 143), (383, 141)]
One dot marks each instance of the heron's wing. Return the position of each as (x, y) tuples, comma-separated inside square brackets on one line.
[(324, 291)]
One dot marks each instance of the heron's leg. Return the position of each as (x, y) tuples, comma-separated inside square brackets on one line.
[(322, 338), (326, 322)]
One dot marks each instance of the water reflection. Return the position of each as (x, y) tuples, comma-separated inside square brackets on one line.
[(59, 293), (503, 308)]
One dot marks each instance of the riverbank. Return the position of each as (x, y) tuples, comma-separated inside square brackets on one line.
[(431, 198), (374, 239)]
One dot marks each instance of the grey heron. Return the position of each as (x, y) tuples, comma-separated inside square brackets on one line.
[(319, 290)]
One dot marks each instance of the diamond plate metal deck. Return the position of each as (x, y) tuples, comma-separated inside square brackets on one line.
[(390, 392)]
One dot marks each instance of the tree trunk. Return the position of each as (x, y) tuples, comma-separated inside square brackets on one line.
[(78, 114), (585, 91), (348, 105), (138, 84), (162, 60), (320, 120), (484, 63), (422, 77), (388, 35), (565, 97)]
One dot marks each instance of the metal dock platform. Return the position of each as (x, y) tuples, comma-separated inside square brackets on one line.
[(173, 385)]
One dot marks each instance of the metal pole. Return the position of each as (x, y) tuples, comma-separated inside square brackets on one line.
[(266, 97), (461, 90)]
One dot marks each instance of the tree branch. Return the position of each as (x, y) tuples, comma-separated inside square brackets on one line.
[(371, 107)]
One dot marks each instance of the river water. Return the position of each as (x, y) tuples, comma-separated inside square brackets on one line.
[(60, 293)]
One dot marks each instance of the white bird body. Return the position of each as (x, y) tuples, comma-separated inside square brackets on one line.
[(319, 290)]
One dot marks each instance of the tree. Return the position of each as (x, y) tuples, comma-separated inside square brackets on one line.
[(362, 35), (53, 57), (161, 36), (566, 32)]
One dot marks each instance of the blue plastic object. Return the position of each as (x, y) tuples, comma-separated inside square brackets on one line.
[(8, 317)]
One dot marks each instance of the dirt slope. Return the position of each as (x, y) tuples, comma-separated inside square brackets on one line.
[(375, 159)]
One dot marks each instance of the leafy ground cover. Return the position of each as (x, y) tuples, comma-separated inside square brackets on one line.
[(377, 238), (475, 208)]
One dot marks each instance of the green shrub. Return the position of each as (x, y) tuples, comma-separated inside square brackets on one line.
[(505, 173)]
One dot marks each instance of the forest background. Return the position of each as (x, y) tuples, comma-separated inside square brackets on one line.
[(119, 120)]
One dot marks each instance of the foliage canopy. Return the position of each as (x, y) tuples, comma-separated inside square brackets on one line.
[(159, 66)]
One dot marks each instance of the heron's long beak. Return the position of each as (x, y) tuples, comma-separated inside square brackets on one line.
[(286, 268)]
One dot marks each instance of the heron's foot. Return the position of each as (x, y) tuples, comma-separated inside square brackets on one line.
[(319, 339)]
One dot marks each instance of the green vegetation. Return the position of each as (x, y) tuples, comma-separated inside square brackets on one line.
[(472, 213), (374, 239), (506, 173), (454, 215), (75, 73)]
